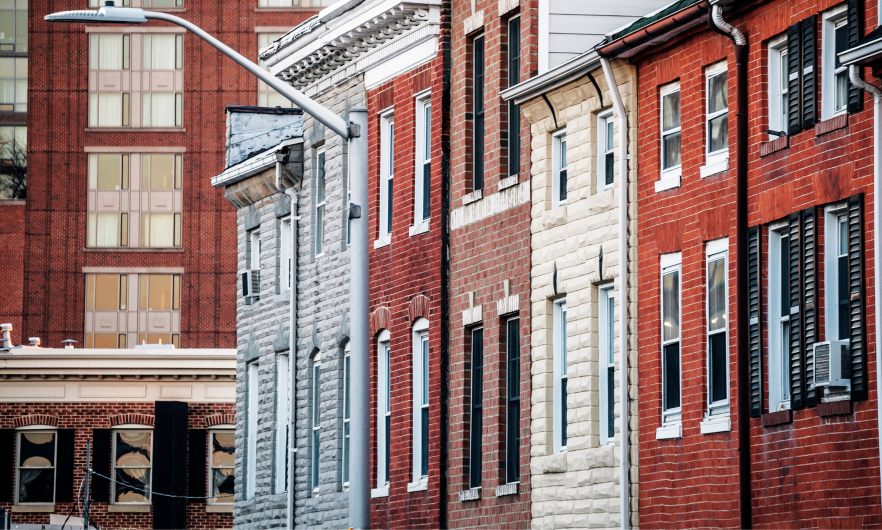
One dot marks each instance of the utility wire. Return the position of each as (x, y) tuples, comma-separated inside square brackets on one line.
[(148, 491), (74, 507)]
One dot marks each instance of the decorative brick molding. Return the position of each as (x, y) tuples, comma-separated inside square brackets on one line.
[(826, 126), (834, 408), (474, 23), (419, 308), (35, 419), (220, 419), (777, 418), (137, 419), (767, 148), (508, 5), (381, 318)]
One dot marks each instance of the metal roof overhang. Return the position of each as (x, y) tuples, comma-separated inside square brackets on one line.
[(552, 79)]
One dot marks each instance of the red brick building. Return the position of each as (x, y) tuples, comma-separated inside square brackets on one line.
[(813, 446), (12, 243)]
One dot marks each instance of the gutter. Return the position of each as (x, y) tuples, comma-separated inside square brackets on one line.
[(552, 79), (659, 31), (741, 266)]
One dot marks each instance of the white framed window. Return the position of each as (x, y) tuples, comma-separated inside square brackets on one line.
[(420, 427), (671, 168), (13, 83), (283, 423), (251, 432), (222, 464), (717, 327), (834, 76), (316, 423), (384, 414), (35, 465), (717, 114), (779, 319), (559, 169), (285, 261), (423, 159), (607, 361), (253, 250), (836, 277), (778, 87), (346, 415), (560, 376), (605, 151), (319, 201), (670, 334), (132, 465), (387, 172)]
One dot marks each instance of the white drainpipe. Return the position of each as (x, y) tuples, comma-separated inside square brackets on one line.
[(853, 74), (623, 290)]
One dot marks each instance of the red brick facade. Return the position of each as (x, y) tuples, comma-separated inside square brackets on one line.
[(484, 254), (12, 244), (821, 468)]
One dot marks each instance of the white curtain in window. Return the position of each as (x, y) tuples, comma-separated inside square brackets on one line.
[(110, 110), (110, 52), (162, 230), (108, 230), (161, 54), (159, 109)]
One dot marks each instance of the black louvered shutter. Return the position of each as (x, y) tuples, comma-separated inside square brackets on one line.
[(101, 458), (755, 331), (7, 464), (809, 308), (64, 466), (855, 32), (809, 60), (794, 79), (797, 374), (196, 461), (170, 465), (857, 310)]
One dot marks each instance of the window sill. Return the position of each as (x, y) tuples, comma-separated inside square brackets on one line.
[(834, 408), (219, 508), (131, 249), (421, 228), (508, 182), (715, 424), (128, 508), (714, 166), (469, 198), (770, 419), (669, 432), (667, 183), (135, 129), (422, 485), (378, 243), (507, 489), (773, 146), (833, 124), (33, 508), (377, 493), (473, 494)]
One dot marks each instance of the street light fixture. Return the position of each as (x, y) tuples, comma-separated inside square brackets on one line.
[(354, 132)]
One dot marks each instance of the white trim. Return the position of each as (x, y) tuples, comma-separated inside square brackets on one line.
[(35, 429), (229, 429), (670, 260), (383, 356), (669, 431), (717, 250), (829, 20), (606, 331), (382, 491), (285, 260), (717, 246), (283, 378), (347, 415), (604, 119), (667, 184), (419, 337), (315, 427), (777, 94), (387, 174), (252, 413), (718, 423), (560, 365), (668, 178), (715, 165), (319, 228), (403, 62), (777, 323), (421, 485), (544, 14), (253, 256), (714, 160), (114, 466), (831, 269), (671, 263), (422, 155), (558, 147)]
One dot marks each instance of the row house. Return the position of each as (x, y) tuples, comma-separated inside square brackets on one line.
[(757, 387)]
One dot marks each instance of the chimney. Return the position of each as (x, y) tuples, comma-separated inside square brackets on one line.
[(5, 336)]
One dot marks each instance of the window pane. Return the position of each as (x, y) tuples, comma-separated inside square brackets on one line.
[(718, 93), (36, 485), (320, 185), (672, 376), (161, 53), (718, 368), (162, 230), (90, 291), (37, 449), (718, 133), (109, 172), (106, 341), (671, 106), (109, 110), (716, 295), (223, 449), (672, 150), (107, 230), (110, 52), (132, 449), (159, 108), (160, 297), (107, 292), (162, 172), (223, 485), (671, 305), (841, 43), (133, 485)]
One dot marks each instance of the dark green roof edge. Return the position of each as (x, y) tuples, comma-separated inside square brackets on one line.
[(642, 22)]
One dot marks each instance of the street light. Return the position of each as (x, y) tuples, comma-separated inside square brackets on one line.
[(354, 132)]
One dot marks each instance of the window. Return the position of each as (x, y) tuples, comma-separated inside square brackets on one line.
[(253, 254), (476, 412), (13, 162), (316, 420), (36, 467), (717, 113), (834, 94), (346, 416), (779, 86), (266, 96), (384, 411), (251, 430), (14, 26), (132, 458), (605, 151), (717, 327), (222, 463), (779, 320), (559, 170), (559, 345), (420, 427), (837, 277), (387, 172), (478, 111), (423, 174), (283, 423), (294, 3), (513, 401), (161, 181), (319, 201), (285, 262), (514, 110), (108, 225), (670, 136), (113, 301), (13, 83), (607, 362), (670, 281), (163, 107)]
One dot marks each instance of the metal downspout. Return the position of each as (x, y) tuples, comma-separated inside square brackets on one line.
[(741, 266), (853, 74), (623, 292)]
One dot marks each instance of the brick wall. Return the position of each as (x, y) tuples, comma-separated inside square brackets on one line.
[(693, 480), (12, 244)]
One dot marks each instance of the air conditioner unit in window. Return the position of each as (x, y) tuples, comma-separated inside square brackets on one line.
[(832, 364), (251, 283)]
